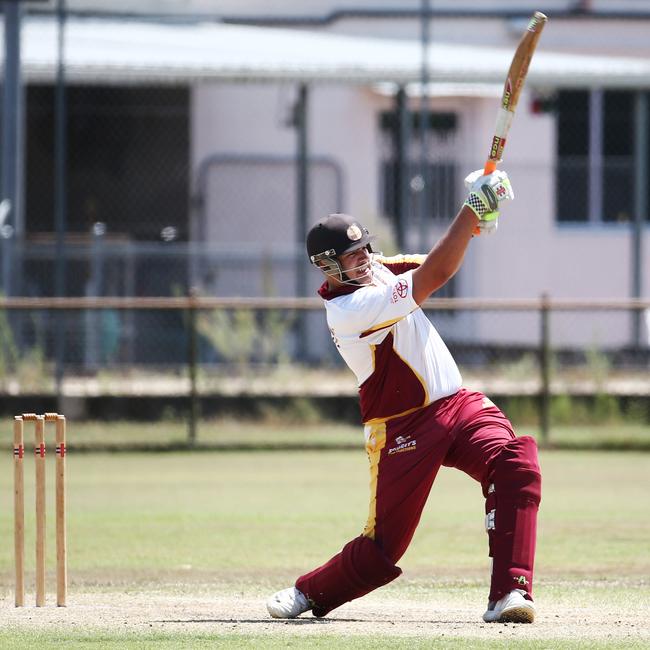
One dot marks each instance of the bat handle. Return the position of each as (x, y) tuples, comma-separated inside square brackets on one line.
[(490, 166)]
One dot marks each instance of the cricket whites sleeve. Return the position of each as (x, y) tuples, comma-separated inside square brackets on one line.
[(400, 361)]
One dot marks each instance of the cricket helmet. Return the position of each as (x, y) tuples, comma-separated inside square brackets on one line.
[(336, 235)]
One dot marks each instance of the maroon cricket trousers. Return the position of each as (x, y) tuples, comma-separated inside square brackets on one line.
[(468, 432)]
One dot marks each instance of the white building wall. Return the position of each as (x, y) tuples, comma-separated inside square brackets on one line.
[(347, 120), (517, 255), (530, 254), (253, 119), (244, 118)]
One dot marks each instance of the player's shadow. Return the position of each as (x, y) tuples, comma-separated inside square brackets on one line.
[(299, 621), (274, 621)]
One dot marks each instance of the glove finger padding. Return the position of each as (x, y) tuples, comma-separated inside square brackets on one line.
[(498, 180), (486, 191), (470, 179)]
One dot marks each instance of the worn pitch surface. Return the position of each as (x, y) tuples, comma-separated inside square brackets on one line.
[(391, 615)]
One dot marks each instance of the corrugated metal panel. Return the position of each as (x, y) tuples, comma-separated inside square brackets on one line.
[(111, 51)]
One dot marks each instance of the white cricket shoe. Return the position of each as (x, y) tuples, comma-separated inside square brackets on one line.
[(512, 608), (288, 603)]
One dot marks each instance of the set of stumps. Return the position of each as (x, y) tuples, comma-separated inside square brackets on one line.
[(40, 422)]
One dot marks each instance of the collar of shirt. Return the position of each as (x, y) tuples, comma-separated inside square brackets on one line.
[(327, 294), (379, 275)]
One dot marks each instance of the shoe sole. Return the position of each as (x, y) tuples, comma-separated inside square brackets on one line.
[(517, 615)]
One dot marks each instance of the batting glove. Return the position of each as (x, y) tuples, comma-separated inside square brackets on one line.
[(486, 191)]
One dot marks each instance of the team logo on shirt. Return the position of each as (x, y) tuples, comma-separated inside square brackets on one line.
[(400, 290)]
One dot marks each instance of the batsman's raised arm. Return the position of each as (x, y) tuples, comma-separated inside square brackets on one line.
[(482, 208)]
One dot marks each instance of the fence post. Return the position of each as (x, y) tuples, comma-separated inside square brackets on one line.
[(302, 208), (545, 370), (192, 359)]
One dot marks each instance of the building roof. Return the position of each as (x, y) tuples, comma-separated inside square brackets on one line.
[(115, 51)]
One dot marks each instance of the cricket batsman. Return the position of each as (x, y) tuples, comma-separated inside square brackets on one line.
[(416, 414)]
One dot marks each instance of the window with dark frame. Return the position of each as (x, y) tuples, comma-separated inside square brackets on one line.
[(128, 159), (440, 171), (127, 176), (595, 156)]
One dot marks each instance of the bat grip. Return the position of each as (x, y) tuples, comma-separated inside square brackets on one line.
[(490, 166)]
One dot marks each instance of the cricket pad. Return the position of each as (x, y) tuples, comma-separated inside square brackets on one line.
[(358, 569), (516, 498)]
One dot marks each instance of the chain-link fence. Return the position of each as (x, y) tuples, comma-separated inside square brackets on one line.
[(170, 160), (200, 351)]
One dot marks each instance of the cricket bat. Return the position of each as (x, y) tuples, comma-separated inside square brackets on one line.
[(512, 89), (513, 86)]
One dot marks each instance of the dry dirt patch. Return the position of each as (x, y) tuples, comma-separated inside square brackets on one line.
[(142, 613)]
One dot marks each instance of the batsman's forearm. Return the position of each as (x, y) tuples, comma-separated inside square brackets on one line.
[(445, 257)]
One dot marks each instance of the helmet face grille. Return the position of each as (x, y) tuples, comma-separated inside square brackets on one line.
[(322, 256), (331, 266)]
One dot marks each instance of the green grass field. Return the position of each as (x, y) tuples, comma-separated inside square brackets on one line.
[(274, 434), (181, 549)]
